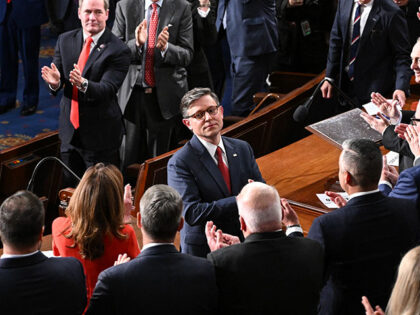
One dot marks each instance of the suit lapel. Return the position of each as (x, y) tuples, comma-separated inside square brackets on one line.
[(209, 164), (234, 166), (76, 46), (370, 24), (97, 51), (166, 14), (346, 19)]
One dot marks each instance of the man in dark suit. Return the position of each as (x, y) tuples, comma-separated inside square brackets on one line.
[(366, 238), (251, 30), (32, 283), (160, 280), (269, 273), (369, 51), (90, 123), (159, 35), (20, 30), (208, 184)]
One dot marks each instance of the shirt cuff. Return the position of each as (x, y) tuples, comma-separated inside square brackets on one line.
[(55, 90), (163, 52), (329, 79), (202, 13), (293, 229), (397, 121), (385, 182), (415, 160)]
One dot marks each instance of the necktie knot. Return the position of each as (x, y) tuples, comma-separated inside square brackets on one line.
[(154, 6), (88, 40)]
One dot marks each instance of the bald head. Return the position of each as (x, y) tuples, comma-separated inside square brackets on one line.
[(259, 206)]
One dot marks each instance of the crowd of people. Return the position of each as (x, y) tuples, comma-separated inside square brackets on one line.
[(134, 73)]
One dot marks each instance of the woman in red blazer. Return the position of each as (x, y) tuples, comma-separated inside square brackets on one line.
[(93, 230)]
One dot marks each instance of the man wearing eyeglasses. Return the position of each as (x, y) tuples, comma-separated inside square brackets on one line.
[(209, 171), (393, 129)]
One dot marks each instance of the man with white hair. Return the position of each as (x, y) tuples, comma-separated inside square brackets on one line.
[(269, 273)]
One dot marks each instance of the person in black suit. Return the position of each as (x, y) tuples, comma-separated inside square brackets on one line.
[(366, 238), (20, 31), (32, 283), (378, 60), (94, 133), (160, 280), (270, 272)]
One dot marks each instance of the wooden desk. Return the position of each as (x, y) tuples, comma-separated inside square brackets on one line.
[(301, 170)]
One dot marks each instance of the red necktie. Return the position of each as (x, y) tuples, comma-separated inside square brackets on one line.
[(74, 112), (8, 1), (223, 168), (149, 73)]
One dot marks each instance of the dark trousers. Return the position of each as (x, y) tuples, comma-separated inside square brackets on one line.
[(248, 76), (148, 134), (79, 160), (26, 41)]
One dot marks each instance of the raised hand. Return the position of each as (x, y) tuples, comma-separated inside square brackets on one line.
[(163, 38), (141, 33), (51, 75)]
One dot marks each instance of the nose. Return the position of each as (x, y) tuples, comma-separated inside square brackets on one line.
[(207, 116), (92, 16)]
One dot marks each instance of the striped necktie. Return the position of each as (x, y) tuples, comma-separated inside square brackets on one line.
[(355, 39)]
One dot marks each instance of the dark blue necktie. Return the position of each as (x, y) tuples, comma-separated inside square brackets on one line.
[(354, 40)]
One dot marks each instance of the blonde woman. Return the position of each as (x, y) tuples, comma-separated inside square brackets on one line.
[(405, 297)]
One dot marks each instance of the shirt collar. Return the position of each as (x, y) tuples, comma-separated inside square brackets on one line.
[(149, 3), (211, 148), (367, 5), (154, 244), (18, 256), (363, 193), (95, 37)]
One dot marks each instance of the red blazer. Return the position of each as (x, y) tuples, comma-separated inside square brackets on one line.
[(113, 247)]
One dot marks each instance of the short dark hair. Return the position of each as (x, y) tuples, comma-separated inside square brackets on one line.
[(363, 159), (161, 211), (193, 95), (21, 219)]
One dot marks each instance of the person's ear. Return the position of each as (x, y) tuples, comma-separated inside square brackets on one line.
[(139, 220), (187, 123), (243, 224), (181, 224)]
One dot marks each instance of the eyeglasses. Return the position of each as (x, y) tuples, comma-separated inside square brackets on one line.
[(212, 110), (413, 121)]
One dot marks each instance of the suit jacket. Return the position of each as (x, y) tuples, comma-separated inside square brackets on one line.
[(407, 186), (251, 26), (101, 125), (160, 280), (392, 142), (37, 284), (364, 242), (269, 274), (383, 57), (25, 13), (170, 73), (195, 175)]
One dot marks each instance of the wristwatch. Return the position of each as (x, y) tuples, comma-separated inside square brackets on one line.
[(83, 86)]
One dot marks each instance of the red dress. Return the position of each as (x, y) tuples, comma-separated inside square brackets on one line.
[(113, 247)]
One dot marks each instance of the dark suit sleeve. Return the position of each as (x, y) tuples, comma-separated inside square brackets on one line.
[(406, 187), (181, 53), (336, 46), (102, 300), (59, 64), (113, 75), (316, 233), (399, 39), (385, 189), (206, 34), (392, 142), (196, 211)]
